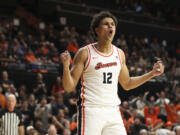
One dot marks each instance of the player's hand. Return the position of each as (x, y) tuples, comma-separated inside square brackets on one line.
[(158, 68), (65, 58)]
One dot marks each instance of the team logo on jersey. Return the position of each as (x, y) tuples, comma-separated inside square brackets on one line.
[(101, 65)]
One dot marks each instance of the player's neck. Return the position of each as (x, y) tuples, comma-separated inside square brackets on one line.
[(104, 47)]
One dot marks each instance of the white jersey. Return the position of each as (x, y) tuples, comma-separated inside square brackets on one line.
[(100, 78)]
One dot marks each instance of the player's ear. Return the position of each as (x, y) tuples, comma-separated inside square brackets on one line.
[(96, 30)]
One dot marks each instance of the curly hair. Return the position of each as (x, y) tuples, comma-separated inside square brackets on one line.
[(97, 19)]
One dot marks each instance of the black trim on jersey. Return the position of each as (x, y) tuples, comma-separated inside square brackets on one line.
[(79, 119), (79, 102)]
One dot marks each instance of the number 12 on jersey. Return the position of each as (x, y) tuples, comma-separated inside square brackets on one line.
[(107, 78)]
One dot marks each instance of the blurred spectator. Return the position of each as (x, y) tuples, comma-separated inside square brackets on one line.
[(163, 131), (169, 125), (143, 132), (151, 117), (53, 53), (130, 121), (137, 126), (2, 99), (66, 131), (27, 114), (32, 102), (73, 46), (31, 131), (19, 48), (42, 112), (138, 102), (59, 105), (40, 87), (125, 110), (160, 102), (60, 121), (73, 124), (71, 102), (39, 128), (57, 88), (22, 90), (172, 112), (177, 129), (150, 101), (52, 130), (7, 85), (30, 57)]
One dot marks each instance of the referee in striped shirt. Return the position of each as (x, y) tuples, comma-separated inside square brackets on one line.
[(11, 119)]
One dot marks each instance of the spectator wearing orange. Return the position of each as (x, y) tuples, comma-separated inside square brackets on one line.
[(3, 41), (30, 57), (125, 110), (137, 126), (151, 117), (2, 99), (73, 46), (126, 114), (169, 125), (130, 121), (43, 50), (57, 88), (172, 111)]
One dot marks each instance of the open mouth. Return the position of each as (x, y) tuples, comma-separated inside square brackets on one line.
[(110, 33)]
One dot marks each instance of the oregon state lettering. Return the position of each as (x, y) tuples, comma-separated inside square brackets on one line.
[(101, 65)]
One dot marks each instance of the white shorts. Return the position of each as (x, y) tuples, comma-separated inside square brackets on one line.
[(100, 121)]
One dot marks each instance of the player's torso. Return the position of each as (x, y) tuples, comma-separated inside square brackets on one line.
[(100, 77)]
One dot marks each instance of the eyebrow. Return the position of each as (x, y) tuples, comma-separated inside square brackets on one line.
[(107, 22)]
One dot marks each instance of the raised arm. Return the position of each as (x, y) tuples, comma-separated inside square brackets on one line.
[(128, 82), (71, 77)]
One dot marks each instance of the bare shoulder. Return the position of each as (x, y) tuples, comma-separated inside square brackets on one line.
[(121, 52), (81, 55)]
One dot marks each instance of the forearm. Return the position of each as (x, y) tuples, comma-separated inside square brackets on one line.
[(21, 130), (67, 80), (139, 80)]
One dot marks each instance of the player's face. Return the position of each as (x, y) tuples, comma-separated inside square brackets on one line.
[(106, 29)]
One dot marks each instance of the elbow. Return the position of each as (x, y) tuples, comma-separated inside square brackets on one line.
[(68, 89), (126, 87)]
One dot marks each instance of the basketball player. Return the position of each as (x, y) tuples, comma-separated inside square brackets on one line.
[(101, 66)]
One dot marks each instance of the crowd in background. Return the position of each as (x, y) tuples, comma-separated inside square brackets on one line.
[(160, 12), (53, 109), (166, 10)]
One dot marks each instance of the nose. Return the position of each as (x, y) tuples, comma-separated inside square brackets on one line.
[(110, 25)]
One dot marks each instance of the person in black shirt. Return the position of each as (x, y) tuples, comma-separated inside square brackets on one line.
[(11, 118)]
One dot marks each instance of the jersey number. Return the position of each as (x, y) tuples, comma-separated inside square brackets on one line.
[(107, 78)]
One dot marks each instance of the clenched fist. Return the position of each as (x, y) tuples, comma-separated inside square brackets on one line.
[(65, 58), (158, 68)]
